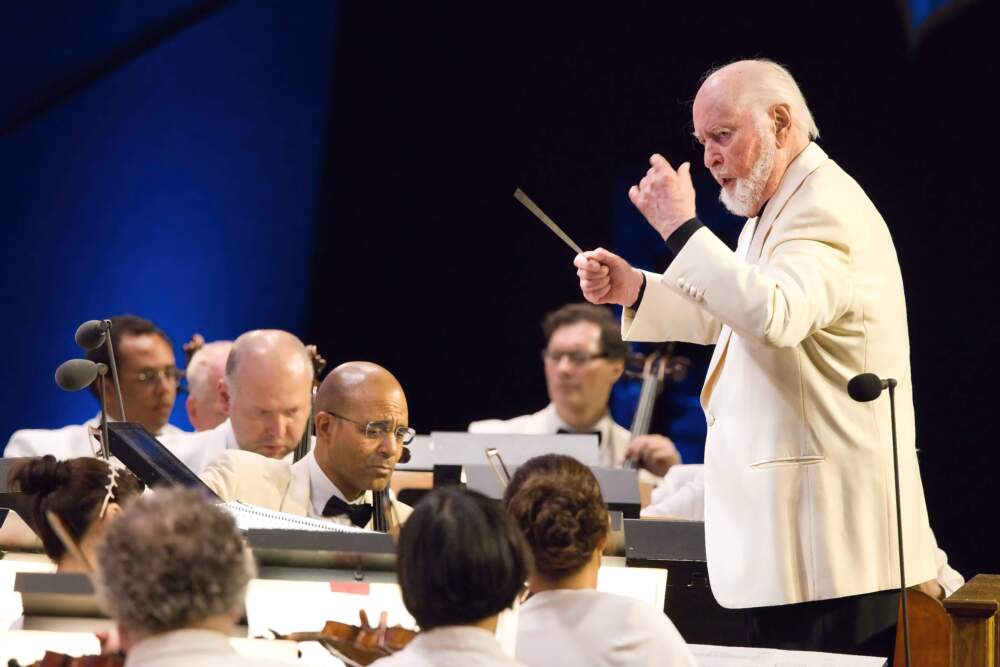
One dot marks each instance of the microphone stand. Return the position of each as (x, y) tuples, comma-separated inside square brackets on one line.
[(114, 372), (105, 452), (899, 525)]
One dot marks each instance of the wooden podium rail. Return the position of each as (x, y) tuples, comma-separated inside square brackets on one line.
[(973, 610)]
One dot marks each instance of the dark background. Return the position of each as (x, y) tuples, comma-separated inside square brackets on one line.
[(345, 171)]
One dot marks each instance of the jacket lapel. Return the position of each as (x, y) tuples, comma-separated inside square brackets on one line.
[(811, 157), (296, 499)]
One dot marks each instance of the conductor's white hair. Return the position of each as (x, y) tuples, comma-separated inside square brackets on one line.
[(773, 84)]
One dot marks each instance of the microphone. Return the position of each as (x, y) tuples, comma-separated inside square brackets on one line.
[(864, 388), (77, 374), (91, 334), (868, 386)]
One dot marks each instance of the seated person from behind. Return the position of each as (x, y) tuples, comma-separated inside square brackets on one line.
[(172, 573), (557, 503), (266, 391), (461, 561), (206, 369), (583, 358), (148, 375), (361, 428), (83, 493)]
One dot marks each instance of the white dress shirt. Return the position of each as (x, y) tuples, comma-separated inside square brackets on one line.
[(321, 489), (588, 627), (451, 646), (614, 438), (68, 442), (192, 648)]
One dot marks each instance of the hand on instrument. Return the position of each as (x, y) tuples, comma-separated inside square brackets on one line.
[(665, 197), (655, 453), (607, 278)]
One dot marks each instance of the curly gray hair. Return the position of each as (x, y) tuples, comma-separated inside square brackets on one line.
[(170, 560)]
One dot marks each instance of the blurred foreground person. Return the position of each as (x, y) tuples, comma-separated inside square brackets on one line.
[(172, 573), (461, 561), (557, 503)]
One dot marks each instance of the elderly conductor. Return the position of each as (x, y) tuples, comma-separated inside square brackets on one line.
[(799, 504)]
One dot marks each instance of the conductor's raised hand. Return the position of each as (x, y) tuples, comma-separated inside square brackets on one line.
[(665, 197), (607, 278)]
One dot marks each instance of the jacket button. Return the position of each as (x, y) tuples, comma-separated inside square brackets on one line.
[(681, 283), (710, 418)]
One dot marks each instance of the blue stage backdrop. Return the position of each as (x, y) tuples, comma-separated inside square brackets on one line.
[(178, 183)]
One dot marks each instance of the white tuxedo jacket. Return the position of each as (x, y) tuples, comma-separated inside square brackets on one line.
[(68, 442), (271, 483), (799, 500)]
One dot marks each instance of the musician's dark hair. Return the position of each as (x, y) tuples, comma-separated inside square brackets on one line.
[(460, 559), (123, 325), (73, 489), (557, 502), (612, 345), (171, 560)]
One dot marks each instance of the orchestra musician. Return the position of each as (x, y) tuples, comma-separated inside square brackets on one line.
[(205, 407), (557, 503), (361, 428), (148, 374), (583, 358), (266, 392), (85, 493), (800, 526), (172, 573), (461, 561)]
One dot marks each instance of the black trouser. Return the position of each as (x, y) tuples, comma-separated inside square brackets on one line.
[(860, 624)]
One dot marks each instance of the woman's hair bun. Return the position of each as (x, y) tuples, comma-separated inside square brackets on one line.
[(41, 476)]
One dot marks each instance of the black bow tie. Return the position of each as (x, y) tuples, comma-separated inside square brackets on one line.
[(359, 514), (566, 431)]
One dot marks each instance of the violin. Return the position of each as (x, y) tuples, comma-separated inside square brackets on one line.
[(357, 644), (53, 659)]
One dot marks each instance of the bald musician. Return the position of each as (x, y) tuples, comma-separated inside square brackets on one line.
[(265, 392), (362, 424)]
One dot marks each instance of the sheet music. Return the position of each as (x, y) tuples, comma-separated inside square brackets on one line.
[(251, 516), (736, 656)]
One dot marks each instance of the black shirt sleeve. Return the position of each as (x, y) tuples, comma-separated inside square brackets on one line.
[(675, 243)]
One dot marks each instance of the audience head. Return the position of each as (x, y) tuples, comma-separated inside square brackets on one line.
[(557, 503), (584, 356), (207, 367), (461, 559), (172, 560), (362, 423), (147, 372), (75, 491), (267, 391), (752, 120)]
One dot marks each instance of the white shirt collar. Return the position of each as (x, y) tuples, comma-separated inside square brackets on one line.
[(602, 426), (190, 642), (321, 489)]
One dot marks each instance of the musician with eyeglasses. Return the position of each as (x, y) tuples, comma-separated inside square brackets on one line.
[(362, 425), (149, 380), (583, 358)]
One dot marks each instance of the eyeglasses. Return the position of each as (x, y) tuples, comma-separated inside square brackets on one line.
[(379, 428), (576, 357), (150, 376)]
